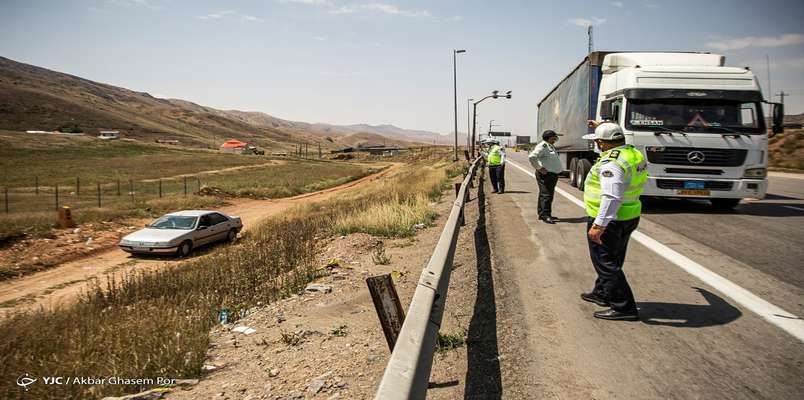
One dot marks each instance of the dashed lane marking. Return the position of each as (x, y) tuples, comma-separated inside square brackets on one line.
[(790, 323)]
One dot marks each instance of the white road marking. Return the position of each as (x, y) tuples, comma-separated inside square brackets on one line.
[(790, 323), (794, 208)]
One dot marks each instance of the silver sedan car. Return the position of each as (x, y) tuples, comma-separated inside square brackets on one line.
[(180, 232)]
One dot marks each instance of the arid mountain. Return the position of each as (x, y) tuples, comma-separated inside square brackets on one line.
[(34, 98)]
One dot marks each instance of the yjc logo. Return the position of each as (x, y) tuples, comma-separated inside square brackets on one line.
[(24, 381)]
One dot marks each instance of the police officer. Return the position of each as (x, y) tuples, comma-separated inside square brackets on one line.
[(611, 194), (496, 163), (545, 160)]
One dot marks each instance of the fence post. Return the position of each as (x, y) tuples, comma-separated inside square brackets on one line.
[(319, 151), (118, 186), (389, 308), (6, 190), (185, 186), (36, 182), (198, 181), (77, 186), (99, 196), (57, 197), (160, 188), (131, 190)]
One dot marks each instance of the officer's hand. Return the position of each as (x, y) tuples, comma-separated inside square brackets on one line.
[(592, 123), (542, 170), (595, 233)]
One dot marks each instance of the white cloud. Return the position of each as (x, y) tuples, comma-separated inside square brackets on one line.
[(587, 21), (320, 38), (382, 8), (309, 2), (618, 4), (787, 39), (229, 14)]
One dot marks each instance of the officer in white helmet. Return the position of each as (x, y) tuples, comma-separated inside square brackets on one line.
[(611, 195)]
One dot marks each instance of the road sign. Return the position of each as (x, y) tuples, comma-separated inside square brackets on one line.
[(499, 133)]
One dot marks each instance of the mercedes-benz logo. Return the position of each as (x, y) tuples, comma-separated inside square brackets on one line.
[(695, 157), (24, 381)]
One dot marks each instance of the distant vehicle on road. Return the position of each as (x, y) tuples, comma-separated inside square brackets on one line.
[(181, 232), (109, 135), (698, 123)]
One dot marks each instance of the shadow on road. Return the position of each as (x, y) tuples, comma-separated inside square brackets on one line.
[(573, 220), (516, 192), (717, 312), (695, 206), (483, 379)]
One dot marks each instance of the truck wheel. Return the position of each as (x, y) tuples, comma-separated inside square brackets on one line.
[(184, 249), (583, 168), (724, 204), (573, 176)]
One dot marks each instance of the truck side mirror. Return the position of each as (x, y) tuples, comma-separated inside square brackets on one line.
[(778, 118)]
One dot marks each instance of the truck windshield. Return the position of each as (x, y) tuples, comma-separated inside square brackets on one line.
[(705, 116)]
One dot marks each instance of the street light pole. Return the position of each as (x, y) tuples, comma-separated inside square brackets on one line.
[(455, 99), (494, 94), (468, 122)]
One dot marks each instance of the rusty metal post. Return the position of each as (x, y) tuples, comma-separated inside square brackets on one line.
[(466, 154), (185, 186), (389, 308), (99, 196), (36, 182), (160, 188), (57, 197), (118, 186), (6, 199), (77, 186)]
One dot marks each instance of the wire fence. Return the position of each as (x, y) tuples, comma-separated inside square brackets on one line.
[(84, 194)]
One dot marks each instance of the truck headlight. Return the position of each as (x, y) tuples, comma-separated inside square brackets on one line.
[(755, 173)]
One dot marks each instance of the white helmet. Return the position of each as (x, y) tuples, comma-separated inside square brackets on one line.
[(606, 131)]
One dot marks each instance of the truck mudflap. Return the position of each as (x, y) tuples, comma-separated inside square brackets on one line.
[(705, 188)]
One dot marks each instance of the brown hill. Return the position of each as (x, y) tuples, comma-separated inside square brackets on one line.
[(34, 98)]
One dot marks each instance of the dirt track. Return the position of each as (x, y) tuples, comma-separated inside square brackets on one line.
[(63, 282)]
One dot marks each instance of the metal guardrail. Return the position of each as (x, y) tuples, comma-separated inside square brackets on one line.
[(408, 371)]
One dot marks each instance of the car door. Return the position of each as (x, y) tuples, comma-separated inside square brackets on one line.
[(207, 234), (220, 226)]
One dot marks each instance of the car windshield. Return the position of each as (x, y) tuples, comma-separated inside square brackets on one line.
[(174, 222), (686, 116)]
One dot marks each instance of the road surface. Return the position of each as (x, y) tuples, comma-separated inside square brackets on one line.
[(720, 296)]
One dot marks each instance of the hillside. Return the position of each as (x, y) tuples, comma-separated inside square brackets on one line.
[(34, 98)]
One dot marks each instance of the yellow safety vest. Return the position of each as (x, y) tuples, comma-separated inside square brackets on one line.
[(495, 156), (636, 174)]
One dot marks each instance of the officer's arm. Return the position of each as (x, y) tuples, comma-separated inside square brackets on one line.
[(502, 156), (535, 156), (612, 189)]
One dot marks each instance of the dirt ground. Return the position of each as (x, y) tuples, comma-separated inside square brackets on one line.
[(319, 345), (70, 259)]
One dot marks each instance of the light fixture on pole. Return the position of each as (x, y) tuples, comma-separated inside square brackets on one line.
[(455, 99), (494, 94)]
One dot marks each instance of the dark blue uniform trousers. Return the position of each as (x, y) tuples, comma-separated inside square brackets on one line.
[(608, 260)]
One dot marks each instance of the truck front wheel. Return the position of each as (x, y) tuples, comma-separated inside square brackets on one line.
[(724, 204)]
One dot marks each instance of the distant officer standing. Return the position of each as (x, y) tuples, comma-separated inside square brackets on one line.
[(611, 195), (496, 163), (544, 158)]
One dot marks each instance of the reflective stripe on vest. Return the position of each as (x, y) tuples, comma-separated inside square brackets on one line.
[(495, 156), (636, 173)]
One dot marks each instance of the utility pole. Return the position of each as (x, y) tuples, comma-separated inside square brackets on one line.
[(589, 33), (455, 100)]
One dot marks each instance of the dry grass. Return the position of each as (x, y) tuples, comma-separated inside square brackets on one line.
[(156, 324)]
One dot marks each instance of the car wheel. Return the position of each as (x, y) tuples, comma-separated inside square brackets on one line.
[(583, 168), (184, 248), (231, 236), (724, 204), (572, 172)]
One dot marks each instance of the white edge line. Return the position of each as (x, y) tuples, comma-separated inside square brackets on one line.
[(771, 313)]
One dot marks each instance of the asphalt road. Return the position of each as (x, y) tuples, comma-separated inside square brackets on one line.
[(720, 296)]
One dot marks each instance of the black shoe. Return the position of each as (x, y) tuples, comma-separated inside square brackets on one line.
[(501, 192), (548, 220), (595, 298), (494, 191), (615, 315)]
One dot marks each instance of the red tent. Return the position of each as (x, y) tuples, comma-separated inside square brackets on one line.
[(234, 144)]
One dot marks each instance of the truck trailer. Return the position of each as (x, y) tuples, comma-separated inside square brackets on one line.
[(698, 122)]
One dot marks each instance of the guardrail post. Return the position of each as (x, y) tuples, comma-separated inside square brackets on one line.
[(118, 186), (77, 186), (57, 197), (457, 193), (388, 306), (99, 196), (185, 186)]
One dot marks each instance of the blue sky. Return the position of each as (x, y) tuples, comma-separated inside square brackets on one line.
[(384, 61)]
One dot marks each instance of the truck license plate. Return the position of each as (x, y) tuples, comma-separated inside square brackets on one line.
[(693, 185), (140, 249), (693, 192)]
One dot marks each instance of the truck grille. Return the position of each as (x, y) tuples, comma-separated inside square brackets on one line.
[(711, 157), (679, 184)]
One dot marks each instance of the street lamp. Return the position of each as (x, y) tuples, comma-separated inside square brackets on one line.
[(455, 99), (468, 121), (494, 94)]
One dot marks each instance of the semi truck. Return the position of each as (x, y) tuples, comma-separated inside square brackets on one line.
[(699, 123)]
